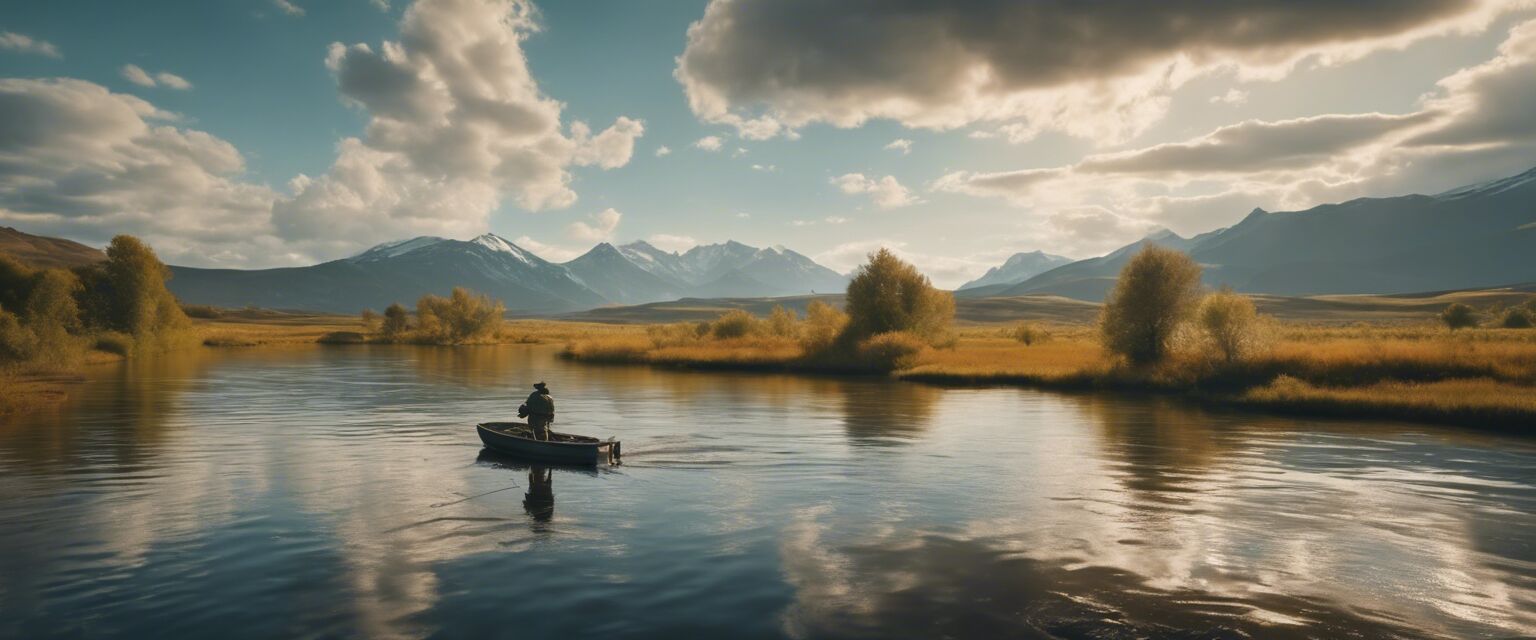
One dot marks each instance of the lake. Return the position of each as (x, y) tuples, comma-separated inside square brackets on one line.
[(342, 492)]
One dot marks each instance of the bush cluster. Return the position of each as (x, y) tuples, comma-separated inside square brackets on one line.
[(49, 317), (1157, 305), (464, 317)]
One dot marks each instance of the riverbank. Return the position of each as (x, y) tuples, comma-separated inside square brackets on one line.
[(1479, 378)]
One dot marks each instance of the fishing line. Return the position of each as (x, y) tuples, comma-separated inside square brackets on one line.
[(444, 504)]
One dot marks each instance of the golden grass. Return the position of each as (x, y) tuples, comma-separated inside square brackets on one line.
[(1479, 402), (25, 393), (1478, 377), (638, 348), (992, 359)]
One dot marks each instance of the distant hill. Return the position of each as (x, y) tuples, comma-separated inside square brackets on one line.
[(1474, 237), (45, 252), (1018, 268)]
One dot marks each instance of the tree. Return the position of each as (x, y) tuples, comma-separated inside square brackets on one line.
[(127, 293), (16, 280), (887, 294), (1458, 316), (396, 321), (1156, 292), (1230, 323)]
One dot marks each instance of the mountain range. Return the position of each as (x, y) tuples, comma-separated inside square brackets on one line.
[(1018, 268), (402, 271), (1478, 236)]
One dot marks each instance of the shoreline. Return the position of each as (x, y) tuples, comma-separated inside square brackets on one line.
[(1475, 381)]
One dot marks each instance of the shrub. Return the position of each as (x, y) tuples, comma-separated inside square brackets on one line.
[(887, 294), (783, 322), (674, 335), (397, 321), (735, 324), (51, 314), (1028, 333), (823, 325), (203, 311), (115, 342), (1516, 318), (1229, 323), (1154, 295), (1458, 316), (461, 317), (342, 337), (891, 350), (17, 342), (370, 320)]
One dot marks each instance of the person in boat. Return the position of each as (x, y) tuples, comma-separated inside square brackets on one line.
[(541, 411)]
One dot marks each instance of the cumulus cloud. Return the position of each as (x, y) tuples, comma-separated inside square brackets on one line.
[(457, 122), (662, 151), (886, 192), (1045, 64), (900, 145), (1493, 102), (550, 252), (137, 75), (673, 243), (22, 43), (709, 143), (604, 223), (456, 126), (79, 160), (288, 7), (1474, 127)]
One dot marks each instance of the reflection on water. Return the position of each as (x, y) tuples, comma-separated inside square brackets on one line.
[(342, 492)]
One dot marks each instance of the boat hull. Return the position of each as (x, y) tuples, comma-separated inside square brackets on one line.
[(503, 437)]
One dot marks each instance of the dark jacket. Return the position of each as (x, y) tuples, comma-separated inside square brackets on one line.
[(540, 403)]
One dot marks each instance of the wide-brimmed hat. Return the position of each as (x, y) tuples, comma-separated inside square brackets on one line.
[(538, 385)]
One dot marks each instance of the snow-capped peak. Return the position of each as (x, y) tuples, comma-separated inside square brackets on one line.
[(397, 248), (499, 244)]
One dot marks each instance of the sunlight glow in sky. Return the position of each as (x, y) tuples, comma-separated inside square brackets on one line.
[(257, 133)]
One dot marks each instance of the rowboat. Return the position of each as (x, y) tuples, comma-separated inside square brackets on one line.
[(516, 438)]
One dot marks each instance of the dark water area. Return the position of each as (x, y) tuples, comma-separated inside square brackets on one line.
[(342, 492)]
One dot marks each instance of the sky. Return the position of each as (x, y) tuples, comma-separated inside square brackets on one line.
[(260, 133)]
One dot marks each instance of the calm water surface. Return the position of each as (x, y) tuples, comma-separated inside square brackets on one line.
[(341, 492)]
